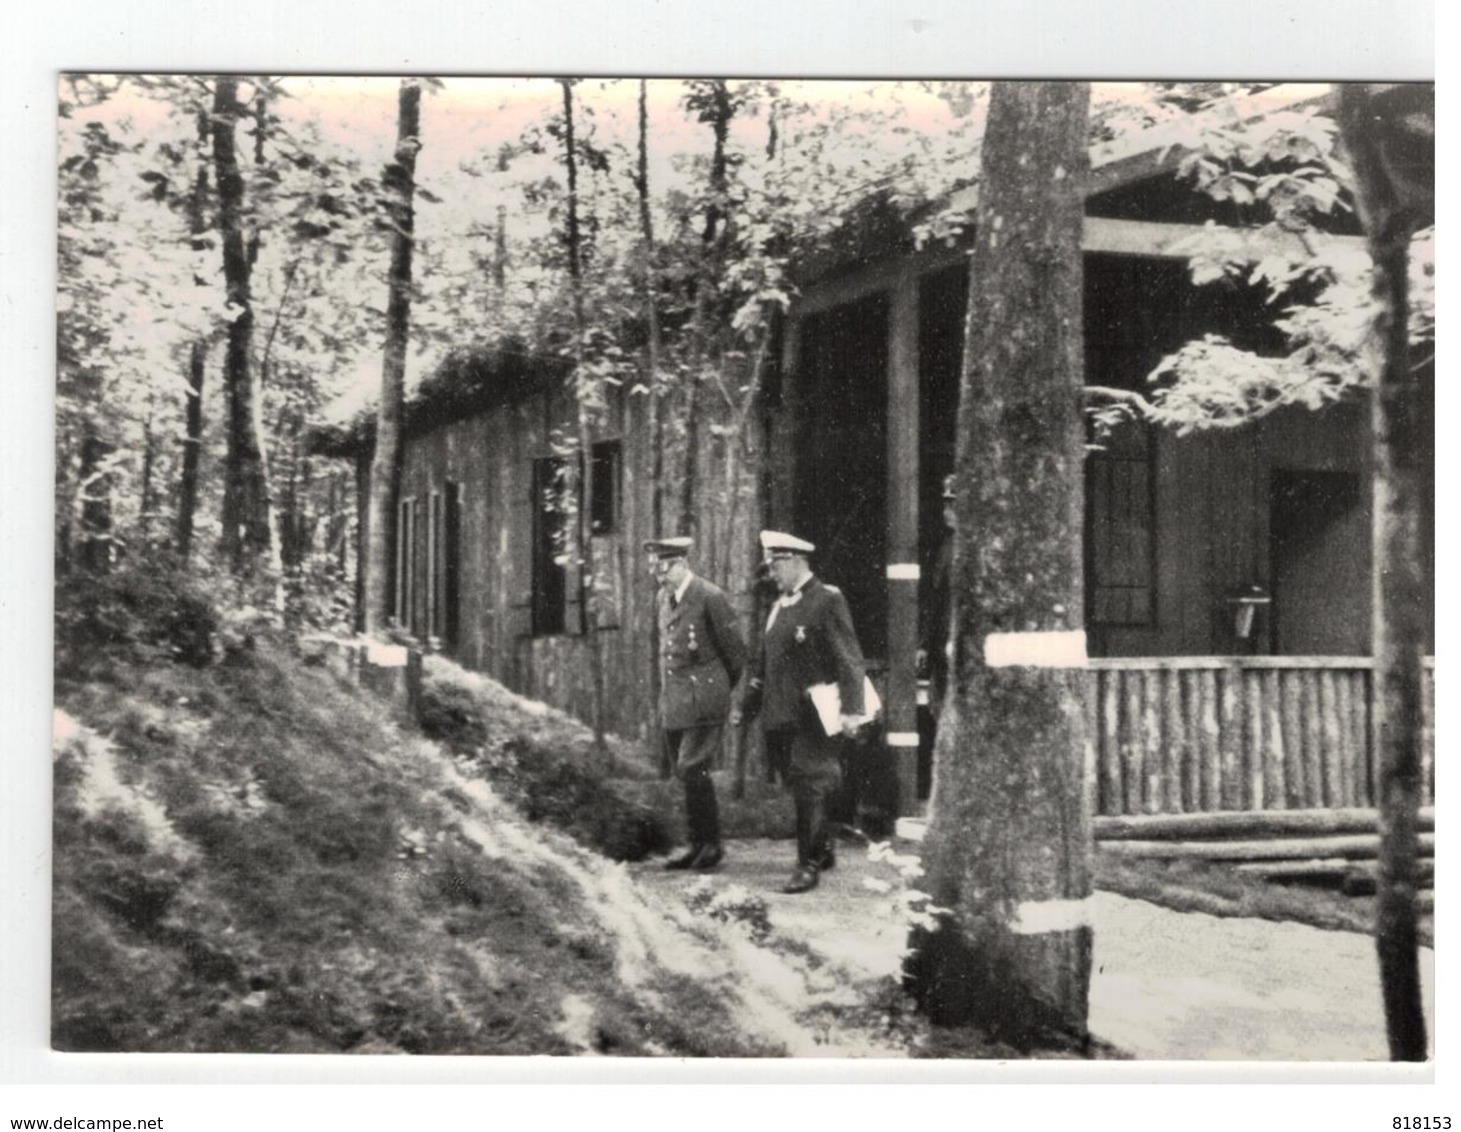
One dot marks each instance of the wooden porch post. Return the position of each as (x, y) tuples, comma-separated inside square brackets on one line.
[(901, 733), (781, 463)]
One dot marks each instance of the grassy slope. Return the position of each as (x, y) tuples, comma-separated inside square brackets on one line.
[(256, 858), (544, 762)]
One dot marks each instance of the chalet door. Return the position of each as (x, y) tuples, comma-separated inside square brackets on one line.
[(1320, 544)]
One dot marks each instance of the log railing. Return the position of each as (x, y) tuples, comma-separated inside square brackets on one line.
[(1199, 734)]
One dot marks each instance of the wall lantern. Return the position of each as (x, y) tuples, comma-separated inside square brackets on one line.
[(1243, 602)]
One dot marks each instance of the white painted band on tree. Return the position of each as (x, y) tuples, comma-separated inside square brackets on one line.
[(1038, 917), (385, 656), (901, 738), (1065, 649), (904, 572)]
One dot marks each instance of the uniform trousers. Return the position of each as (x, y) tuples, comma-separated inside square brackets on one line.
[(693, 751), (813, 771)]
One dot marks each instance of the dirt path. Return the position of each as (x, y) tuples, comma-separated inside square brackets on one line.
[(1165, 985)]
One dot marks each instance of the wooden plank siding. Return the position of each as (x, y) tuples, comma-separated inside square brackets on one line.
[(1198, 734), (490, 456), (1212, 496)]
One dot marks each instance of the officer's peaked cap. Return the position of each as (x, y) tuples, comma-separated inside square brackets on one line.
[(782, 544), (676, 547)]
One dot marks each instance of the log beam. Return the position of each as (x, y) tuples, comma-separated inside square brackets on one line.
[(1246, 823), (1362, 845)]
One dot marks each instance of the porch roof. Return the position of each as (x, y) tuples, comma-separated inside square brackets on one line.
[(467, 380), (870, 234)]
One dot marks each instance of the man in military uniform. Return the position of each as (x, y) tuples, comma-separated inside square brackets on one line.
[(701, 658), (809, 642)]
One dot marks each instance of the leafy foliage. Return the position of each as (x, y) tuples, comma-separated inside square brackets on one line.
[(1286, 171), (747, 183)]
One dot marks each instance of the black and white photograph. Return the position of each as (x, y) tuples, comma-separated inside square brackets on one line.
[(616, 566)]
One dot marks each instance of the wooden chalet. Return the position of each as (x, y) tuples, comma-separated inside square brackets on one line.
[(1227, 572)]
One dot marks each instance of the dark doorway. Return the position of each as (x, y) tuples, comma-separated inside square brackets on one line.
[(943, 297), (1319, 539), (841, 496)]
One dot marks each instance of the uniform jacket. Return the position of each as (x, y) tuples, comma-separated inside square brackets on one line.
[(701, 656), (811, 641)]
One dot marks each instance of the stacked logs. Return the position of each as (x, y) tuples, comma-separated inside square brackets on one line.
[(1278, 844), (1201, 734)]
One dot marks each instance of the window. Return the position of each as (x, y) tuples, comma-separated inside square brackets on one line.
[(604, 512), (1120, 542), (405, 605), (445, 563), (550, 545)]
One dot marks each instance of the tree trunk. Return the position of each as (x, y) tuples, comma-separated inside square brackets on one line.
[(718, 111), (655, 426), (499, 240), (1008, 846), (651, 314), (738, 451), (197, 358), (385, 469), (95, 489), (499, 255), (585, 399), (192, 449), (294, 531), (148, 502), (1394, 192), (246, 542)]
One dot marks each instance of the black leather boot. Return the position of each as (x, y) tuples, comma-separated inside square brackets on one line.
[(702, 809), (695, 784), (805, 877), (819, 850)]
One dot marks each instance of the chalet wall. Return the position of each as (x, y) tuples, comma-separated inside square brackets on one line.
[(1214, 531), (491, 456), (1207, 521)]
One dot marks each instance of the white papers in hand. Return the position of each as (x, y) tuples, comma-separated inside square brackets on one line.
[(827, 699)]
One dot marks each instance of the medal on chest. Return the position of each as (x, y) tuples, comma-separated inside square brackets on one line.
[(801, 634)]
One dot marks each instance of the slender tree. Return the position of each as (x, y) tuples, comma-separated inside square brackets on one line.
[(197, 355), (399, 186), (1390, 136), (587, 397), (247, 542), (654, 344), (1007, 850), (712, 101), (654, 348)]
